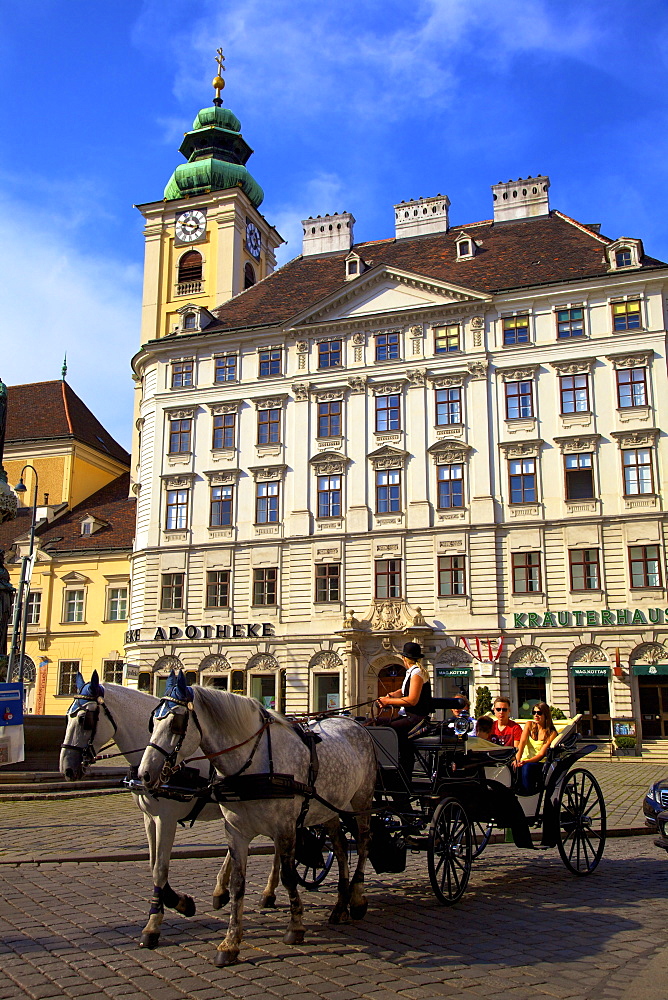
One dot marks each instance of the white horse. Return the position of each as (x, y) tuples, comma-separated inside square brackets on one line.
[(245, 740), (101, 714)]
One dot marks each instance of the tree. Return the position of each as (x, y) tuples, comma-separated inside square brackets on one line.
[(483, 701)]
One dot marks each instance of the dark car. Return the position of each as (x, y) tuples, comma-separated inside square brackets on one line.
[(662, 829), (655, 801)]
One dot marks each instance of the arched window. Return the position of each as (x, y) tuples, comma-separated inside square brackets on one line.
[(190, 267), (623, 257), (249, 276), (189, 321)]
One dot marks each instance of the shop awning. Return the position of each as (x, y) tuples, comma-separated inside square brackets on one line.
[(459, 671), (591, 670), (649, 669), (536, 671)]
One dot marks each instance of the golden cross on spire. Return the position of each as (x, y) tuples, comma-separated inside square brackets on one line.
[(218, 83)]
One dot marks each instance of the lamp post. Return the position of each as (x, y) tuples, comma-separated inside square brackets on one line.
[(20, 619)]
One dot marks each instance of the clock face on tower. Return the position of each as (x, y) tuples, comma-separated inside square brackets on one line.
[(190, 226), (253, 239)]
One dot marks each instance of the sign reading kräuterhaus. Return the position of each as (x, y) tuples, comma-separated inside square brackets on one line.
[(569, 619), (165, 633)]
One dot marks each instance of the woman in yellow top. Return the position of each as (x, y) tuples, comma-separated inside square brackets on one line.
[(537, 736)]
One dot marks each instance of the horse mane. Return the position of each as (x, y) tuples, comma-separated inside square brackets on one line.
[(236, 711), (126, 694)]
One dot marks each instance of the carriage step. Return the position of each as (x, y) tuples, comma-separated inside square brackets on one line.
[(417, 842)]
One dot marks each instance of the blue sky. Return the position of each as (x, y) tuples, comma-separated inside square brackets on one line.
[(349, 107)]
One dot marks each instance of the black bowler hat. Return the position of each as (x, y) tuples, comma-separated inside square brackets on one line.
[(412, 651)]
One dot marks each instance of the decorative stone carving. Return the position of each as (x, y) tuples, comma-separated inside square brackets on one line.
[(216, 663), (262, 473), (387, 616), (359, 339), (522, 449), (178, 482), (183, 413), (588, 654), (357, 383), (349, 620), (639, 359), (326, 660), (301, 391), (387, 457), (477, 322), (222, 477), (415, 331), (527, 654), (579, 444), (329, 463), (302, 347), (649, 652), (446, 452), (449, 381), (418, 618), (229, 406), (270, 402), (388, 388), (574, 366), (477, 369), (165, 664), (636, 439), (327, 395), (416, 376), (523, 374), (453, 655), (262, 661)]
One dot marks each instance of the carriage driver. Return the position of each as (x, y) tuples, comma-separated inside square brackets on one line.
[(414, 701)]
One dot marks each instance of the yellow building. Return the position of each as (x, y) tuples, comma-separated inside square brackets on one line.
[(79, 590)]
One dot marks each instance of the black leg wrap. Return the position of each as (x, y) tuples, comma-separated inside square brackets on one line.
[(156, 902), (169, 897)]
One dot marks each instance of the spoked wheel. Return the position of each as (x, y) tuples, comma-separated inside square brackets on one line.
[(449, 851), (480, 835), (310, 877), (581, 822)]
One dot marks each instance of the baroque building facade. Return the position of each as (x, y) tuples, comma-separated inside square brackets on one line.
[(452, 435)]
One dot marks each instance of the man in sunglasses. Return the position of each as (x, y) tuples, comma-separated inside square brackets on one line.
[(505, 731)]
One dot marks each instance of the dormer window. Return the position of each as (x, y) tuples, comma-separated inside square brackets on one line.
[(463, 248), (192, 318), (354, 266), (624, 253), (466, 247), (90, 524), (623, 258), (190, 321)]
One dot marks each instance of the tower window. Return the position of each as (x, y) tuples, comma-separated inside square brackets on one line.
[(190, 267), (249, 275)]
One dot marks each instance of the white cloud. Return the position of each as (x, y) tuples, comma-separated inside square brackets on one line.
[(323, 194)]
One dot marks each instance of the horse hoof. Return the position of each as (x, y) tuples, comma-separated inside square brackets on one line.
[(293, 937), (358, 912), (225, 958), (149, 940), (339, 917), (268, 903), (186, 906), (220, 901)]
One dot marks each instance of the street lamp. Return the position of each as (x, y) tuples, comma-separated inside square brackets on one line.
[(20, 618)]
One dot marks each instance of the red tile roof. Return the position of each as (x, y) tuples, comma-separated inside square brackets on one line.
[(522, 253), (42, 411)]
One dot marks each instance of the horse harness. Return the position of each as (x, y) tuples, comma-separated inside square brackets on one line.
[(91, 707)]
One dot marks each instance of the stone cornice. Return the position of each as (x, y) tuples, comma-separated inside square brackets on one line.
[(522, 449), (578, 443), (630, 359), (636, 439), (573, 366)]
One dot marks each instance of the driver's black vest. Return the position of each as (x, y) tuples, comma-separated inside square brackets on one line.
[(424, 705)]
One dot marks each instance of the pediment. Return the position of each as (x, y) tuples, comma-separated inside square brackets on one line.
[(383, 290)]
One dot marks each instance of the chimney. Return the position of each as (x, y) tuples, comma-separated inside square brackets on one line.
[(521, 199), (327, 233), (425, 215)]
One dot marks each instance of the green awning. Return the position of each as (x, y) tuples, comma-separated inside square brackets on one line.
[(460, 671), (535, 671), (602, 670), (649, 669)]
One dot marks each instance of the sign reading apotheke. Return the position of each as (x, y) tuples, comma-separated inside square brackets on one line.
[(578, 619), (165, 633)]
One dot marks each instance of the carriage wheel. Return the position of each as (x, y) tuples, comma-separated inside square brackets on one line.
[(481, 834), (310, 878), (449, 852), (581, 822)]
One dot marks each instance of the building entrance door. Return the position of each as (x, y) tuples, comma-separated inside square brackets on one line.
[(592, 701), (653, 694), (390, 678)]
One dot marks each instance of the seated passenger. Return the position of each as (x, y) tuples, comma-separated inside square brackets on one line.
[(483, 728), (414, 702), (505, 731), (457, 713), (536, 738)]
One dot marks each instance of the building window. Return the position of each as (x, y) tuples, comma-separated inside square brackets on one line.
[(464, 248), (177, 510), (574, 392), (352, 266), (519, 400), (171, 591), (117, 604), (387, 413), (329, 418), (387, 346), (182, 372), (225, 369), (570, 323), (637, 465), (644, 564), (329, 496), (388, 579), (264, 586), (67, 679), (74, 605), (522, 473), (269, 426), (189, 323), (329, 354), (631, 387), (112, 672), (266, 503), (327, 583), (249, 275), (450, 486), (190, 267), (451, 577), (579, 476), (516, 330), (526, 572), (448, 406), (218, 588), (623, 258), (180, 432), (224, 427), (270, 362), (388, 491), (220, 511), (585, 573), (34, 607), (626, 315), (446, 338)]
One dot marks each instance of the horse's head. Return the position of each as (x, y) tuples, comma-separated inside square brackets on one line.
[(89, 726), (173, 737)]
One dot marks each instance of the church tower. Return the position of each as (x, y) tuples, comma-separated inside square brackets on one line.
[(206, 241)]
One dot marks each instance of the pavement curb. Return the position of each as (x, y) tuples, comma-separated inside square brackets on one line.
[(45, 796)]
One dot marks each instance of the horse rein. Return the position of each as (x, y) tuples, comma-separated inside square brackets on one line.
[(91, 719)]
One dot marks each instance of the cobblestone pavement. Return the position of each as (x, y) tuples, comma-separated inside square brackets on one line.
[(526, 929)]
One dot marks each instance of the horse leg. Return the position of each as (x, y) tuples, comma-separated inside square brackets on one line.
[(228, 949), (268, 900), (340, 912), (285, 845), (221, 895), (358, 901), (161, 841)]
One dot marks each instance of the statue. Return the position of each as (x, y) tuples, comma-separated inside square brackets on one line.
[(6, 600)]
